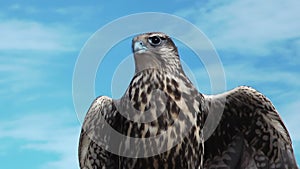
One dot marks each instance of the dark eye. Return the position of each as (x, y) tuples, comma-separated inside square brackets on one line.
[(154, 40)]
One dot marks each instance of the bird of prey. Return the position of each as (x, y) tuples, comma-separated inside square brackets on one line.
[(162, 116)]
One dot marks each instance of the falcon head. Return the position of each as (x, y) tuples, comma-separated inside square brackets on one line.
[(155, 50)]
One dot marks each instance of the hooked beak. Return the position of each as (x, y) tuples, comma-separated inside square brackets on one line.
[(139, 47)]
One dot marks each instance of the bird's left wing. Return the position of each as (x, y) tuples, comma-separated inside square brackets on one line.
[(250, 133), (91, 152)]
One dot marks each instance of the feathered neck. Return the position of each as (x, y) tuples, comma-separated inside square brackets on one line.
[(168, 62)]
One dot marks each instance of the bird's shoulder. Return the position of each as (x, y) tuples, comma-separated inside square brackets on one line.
[(100, 113), (101, 109), (246, 102)]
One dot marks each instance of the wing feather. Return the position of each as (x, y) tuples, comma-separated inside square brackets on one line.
[(91, 154), (249, 115)]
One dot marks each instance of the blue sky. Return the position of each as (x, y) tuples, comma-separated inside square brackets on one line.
[(258, 43)]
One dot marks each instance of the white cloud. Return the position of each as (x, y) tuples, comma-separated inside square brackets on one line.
[(27, 9), (280, 84), (249, 73), (22, 73), (31, 35), (247, 26), (29, 57), (53, 132), (30, 75), (87, 11), (15, 6)]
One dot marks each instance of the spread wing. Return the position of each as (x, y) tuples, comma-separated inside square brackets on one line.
[(250, 133), (91, 154)]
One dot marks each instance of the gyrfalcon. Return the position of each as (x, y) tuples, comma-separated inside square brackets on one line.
[(161, 116)]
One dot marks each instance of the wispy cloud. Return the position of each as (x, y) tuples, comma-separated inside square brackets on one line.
[(55, 132), (18, 74), (32, 53), (32, 35), (87, 11), (243, 73), (29, 77), (26, 9), (273, 81), (248, 26), (36, 68)]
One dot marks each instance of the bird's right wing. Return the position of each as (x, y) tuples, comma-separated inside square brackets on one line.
[(91, 153)]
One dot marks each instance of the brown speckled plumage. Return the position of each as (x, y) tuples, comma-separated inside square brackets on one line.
[(249, 135)]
